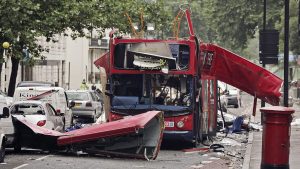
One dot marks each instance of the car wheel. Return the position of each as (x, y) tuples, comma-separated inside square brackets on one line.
[(2, 152), (17, 147), (16, 144)]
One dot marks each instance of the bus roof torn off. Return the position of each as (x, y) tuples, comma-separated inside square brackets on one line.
[(136, 136)]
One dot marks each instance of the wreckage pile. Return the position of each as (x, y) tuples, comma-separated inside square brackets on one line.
[(231, 141), (136, 137), (224, 151), (228, 148)]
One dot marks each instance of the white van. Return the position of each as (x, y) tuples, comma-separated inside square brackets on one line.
[(56, 96)]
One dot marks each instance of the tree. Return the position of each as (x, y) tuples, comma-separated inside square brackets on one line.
[(293, 35), (23, 21)]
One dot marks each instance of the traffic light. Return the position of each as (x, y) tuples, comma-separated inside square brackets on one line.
[(268, 46)]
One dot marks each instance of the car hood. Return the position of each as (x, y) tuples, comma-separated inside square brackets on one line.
[(33, 119)]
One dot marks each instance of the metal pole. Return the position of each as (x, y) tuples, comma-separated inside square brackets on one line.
[(22, 71), (265, 14), (58, 64), (299, 18), (286, 53), (264, 27), (69, 74), (92, 66)]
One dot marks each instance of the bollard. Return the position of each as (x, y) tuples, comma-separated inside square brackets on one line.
[(276, 137)]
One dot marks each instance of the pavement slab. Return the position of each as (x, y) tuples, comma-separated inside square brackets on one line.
[(253, 155)]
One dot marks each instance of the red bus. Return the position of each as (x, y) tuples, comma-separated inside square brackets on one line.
[(142, 75), (138, 83), (178, 77)]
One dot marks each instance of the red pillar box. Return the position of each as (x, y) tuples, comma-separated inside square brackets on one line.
[(276, 137)]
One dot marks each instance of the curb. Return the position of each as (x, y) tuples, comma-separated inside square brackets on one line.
[(246, 163), (247, 159)]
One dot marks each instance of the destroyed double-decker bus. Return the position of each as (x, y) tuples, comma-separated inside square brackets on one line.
[(142, 74), (178, 77), (142, 79)]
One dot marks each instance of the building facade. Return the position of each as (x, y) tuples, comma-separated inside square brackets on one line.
[(66, 64)]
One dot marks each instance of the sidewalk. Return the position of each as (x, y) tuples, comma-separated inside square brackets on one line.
[(253, 154)]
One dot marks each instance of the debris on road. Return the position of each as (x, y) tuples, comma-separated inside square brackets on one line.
[(230, 142), (296, 122), (255, 126), (238, 123), (200, 150), (233, 138)]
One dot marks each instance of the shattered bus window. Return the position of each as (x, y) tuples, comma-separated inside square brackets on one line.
[(151, 56), (172, 91), (142, 92)]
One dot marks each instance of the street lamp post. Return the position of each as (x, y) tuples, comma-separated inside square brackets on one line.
[(264, 28), (286, 53)]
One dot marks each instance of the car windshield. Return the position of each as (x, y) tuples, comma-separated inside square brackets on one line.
[(78, 96), (27, 109)]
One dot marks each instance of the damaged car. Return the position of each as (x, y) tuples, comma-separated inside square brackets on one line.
[(232, 98), (36, 113), (39, 113), (3, 114)]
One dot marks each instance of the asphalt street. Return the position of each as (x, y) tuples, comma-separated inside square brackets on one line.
[(170, 157)]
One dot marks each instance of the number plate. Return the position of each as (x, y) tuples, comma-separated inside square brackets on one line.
[(77, 104), (169, 124)]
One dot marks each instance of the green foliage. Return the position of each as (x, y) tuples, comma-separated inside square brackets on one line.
[(230, 24), (21, 22), (294, 37)]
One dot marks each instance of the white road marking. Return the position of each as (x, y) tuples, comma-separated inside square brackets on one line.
[(38, 159), (23, 165), (41, 158)]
